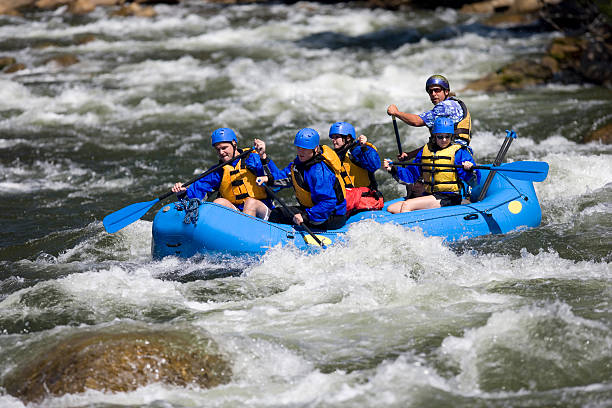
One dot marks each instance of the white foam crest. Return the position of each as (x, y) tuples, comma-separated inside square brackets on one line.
[(25, 178), (14, 95), (8, 401), (406, 373), (572, 174), (10, 143), (130, 243), (175, 20), (518, 330), (186, 70), (384, 265)]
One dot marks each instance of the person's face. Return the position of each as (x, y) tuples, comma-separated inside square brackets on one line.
[(225, 150), (443, 139), (304, 154), (338, 141), (437, 94)]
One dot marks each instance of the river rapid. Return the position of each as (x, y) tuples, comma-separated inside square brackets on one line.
[(390, 318)]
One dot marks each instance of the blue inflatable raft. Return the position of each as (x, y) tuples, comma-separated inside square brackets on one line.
[(510, 204)]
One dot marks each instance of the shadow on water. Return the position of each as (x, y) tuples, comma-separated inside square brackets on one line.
[(390, 39)]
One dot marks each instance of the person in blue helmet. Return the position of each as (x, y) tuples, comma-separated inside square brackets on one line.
[(443, 185), (359, 160), (445, 104), (236, 181), (315, 177)]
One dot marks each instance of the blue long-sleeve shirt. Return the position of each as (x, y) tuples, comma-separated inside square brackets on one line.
[(410, 174), (320, 180), (201, 188)]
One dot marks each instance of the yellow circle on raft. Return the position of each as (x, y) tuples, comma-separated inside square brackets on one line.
[(310, 240), (515, 207)]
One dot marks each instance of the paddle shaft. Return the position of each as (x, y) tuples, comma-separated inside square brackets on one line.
[(397, 136), (457, 166), (308, 230), (510, 136)]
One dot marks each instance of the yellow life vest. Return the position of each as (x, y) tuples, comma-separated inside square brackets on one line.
[(355, 175), (463, 129), (238, 183), (302, 191), (440, 179)]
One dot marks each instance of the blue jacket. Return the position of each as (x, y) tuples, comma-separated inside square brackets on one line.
[(366, 157), (410, 174), (201, 188), (320, 180)]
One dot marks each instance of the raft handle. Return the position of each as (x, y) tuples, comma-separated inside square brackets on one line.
[(471, 217)]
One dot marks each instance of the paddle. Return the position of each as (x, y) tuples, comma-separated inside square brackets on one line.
[(510, 136), (521, 170), (127, 215), (397, 136), (308, 230)]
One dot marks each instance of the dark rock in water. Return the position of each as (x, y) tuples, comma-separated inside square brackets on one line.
[(14, 68), (517, 75), (6, 61), (118, 362), (64, 60), (603, 135)]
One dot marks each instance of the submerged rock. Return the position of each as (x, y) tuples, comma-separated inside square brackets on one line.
[(118, 362)]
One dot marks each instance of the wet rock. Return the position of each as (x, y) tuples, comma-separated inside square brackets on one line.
[(14, 68), (87, 6), (135, 9), (510, 6), (603, 135), (51, 4), (64, 60), (84, 39), (6, 61), (517, 75), (117, 362), (11, 7)]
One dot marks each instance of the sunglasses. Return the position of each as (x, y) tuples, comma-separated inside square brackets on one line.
[(443, 136), (336, 136), (434, 90)]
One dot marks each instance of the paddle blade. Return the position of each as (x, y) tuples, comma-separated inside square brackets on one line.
[(524, 170), (125, 216)]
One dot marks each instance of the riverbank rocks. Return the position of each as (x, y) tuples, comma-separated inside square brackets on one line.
[(117, 362)]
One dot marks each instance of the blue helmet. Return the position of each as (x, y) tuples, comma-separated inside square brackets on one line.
[(342, 128), (223, 135), (306, 138), (439, 80), (442, 124)]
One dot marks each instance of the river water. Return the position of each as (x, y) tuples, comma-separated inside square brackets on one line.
[(390, 318)]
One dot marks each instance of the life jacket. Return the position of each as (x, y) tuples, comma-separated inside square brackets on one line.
[(463, 129), (302, 190), (238, 183), (440, 179), (355, 175)]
